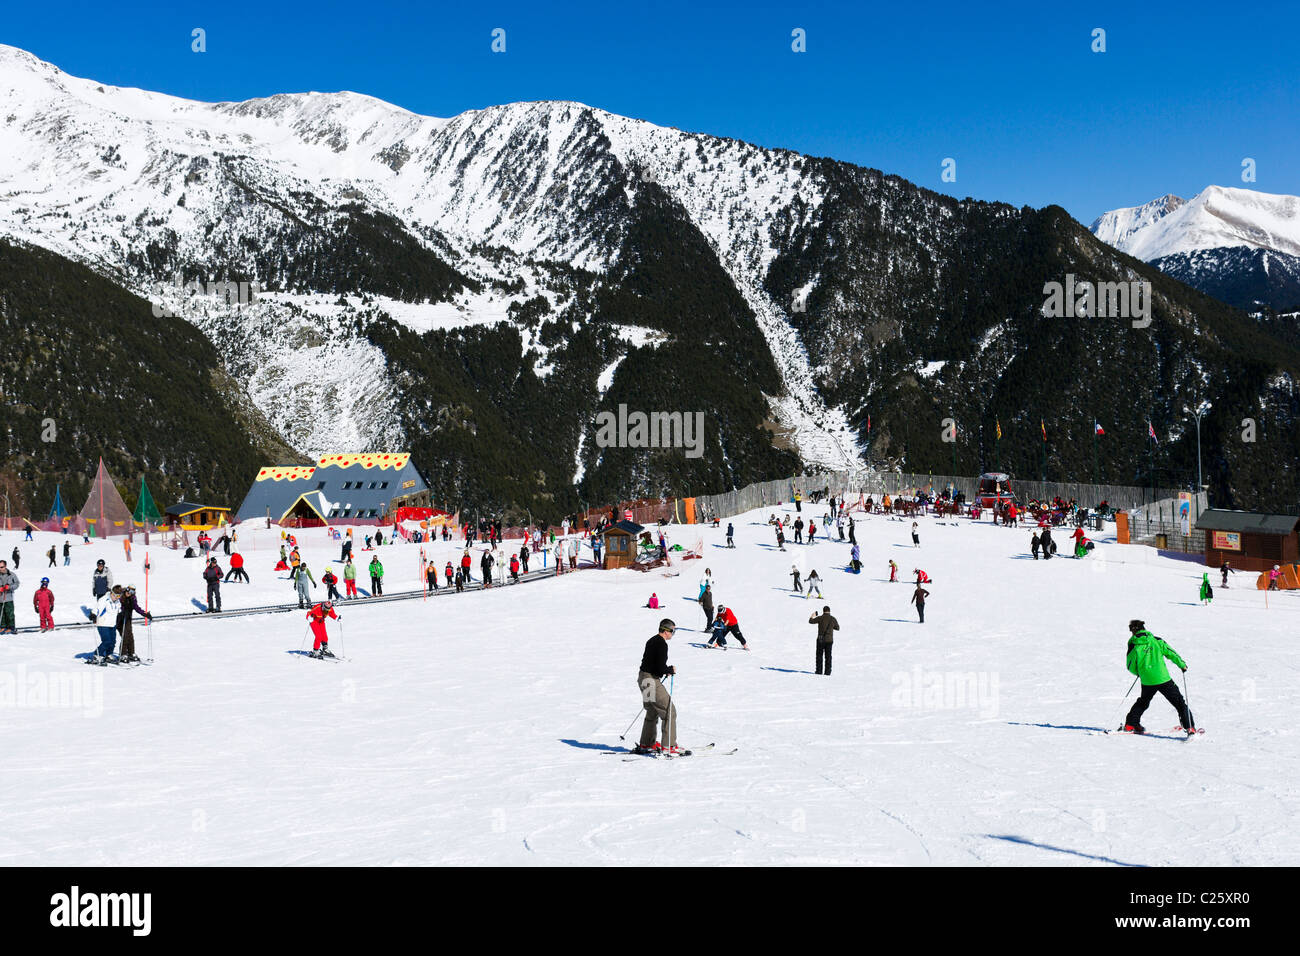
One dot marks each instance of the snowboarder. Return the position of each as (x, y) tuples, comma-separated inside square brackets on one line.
[(658, 702), (814, 584), (916, 536), (794, 573), (706, 602), (1145, 659), (128, 607), (1207, 592), (726, 615), (43, 605), (302, 575), (320, 646), (376, 576), (212, 574), (826, 628), (730, 535), (918, 598), (1224, 570)]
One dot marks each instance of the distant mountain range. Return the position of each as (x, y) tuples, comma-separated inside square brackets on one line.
[(1237, 245), (479, 289)]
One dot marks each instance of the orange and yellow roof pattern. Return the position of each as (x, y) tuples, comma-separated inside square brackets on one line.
[(285, 473), (382, 460)]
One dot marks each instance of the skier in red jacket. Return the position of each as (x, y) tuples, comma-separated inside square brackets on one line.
[(465, 563), (514, 568), (316, 616), (727, 617), (43, 604)]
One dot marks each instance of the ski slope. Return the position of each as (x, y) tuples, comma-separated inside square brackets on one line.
[(468, 729)]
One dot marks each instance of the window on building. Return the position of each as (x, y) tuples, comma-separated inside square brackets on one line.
[(374, 484), (320, 486), (383, 484), (334, 513)]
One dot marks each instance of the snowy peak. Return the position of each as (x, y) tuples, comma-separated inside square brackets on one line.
[(1118, 226), (1217, 217)]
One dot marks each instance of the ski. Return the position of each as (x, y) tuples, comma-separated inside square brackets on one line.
[(1130, 733)]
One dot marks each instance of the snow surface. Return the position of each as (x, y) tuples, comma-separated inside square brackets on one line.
[(468, 729)]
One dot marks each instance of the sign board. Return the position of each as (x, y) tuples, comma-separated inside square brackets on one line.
[(1227, 541)]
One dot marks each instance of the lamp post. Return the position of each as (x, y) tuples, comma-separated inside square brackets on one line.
[(1198, 414)]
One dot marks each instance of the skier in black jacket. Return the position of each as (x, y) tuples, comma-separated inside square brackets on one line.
[(658, 703)]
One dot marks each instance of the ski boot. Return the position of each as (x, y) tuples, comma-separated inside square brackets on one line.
[(325, 651), (1133, 729), (313, 653)]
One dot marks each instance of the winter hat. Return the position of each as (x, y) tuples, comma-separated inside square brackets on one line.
[(827, 608), (1136, 625)]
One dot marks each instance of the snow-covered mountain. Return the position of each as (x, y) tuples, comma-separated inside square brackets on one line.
[(479, 288), (1236, 244)]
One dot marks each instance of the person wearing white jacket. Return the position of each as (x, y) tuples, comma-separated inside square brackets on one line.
[(106, 622), (573, 553), (706, 581)]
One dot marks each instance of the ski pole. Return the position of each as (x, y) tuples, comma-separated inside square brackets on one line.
[(305, 631), (1126, 693), (1187, 700), (341, 637), (639, 713)]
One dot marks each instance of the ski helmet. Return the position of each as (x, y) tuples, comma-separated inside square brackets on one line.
[(44, 581)]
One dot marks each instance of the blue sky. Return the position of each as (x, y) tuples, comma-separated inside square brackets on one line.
[(1011, 91)]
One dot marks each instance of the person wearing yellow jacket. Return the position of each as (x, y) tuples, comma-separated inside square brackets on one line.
[(1146, 659)]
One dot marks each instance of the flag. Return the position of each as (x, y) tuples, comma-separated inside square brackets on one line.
[(1152, 433), (868, 424), (1044, 428), (1097, 429), (999, 424)]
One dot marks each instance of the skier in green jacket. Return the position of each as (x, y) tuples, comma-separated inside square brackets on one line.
[(376, 577), (1207, 592), (1146, 658)]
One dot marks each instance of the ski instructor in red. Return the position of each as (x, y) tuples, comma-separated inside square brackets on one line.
[(316, 616)]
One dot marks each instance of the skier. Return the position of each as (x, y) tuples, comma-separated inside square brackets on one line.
[(320, 647), (853, 538), (1047, 544), (653, 603), (376, 576), (780, 538), (101, 580), (8, 585), (794, 573), (893, 571), (1207, 592), (557, 552), (814, 584), (43, 604), (29, 533), (717, 634), (301, 575), (658, 702), (237, 569), (17, 557), (1272, 577), (523, 555), (485, 566), (726, 615), (212, 574), (826, 628), (128, 606), (798, 530), (67, 550), (1145, 658), (350, 578), (514, 568), (1034, 545), (465, 562), (839, 525), (1224, 571), (330, 580), (916, 536), (104, 617), (730, 535), (918, 598), (51, 554), (706, 581), (812, 531), (706, 602)]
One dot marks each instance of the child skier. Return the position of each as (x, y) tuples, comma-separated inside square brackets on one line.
[(316, 617), (127, 608), (1224, 571), (449, 573), (893, 571), (794, 573), (104, 618), (814, 584), (1146, 659), (330, 580), (812, 531), (514, 568), (653, 603), (1207, 592), (43, 604)]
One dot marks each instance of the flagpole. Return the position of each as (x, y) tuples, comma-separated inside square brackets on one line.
[(1094, 451)]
